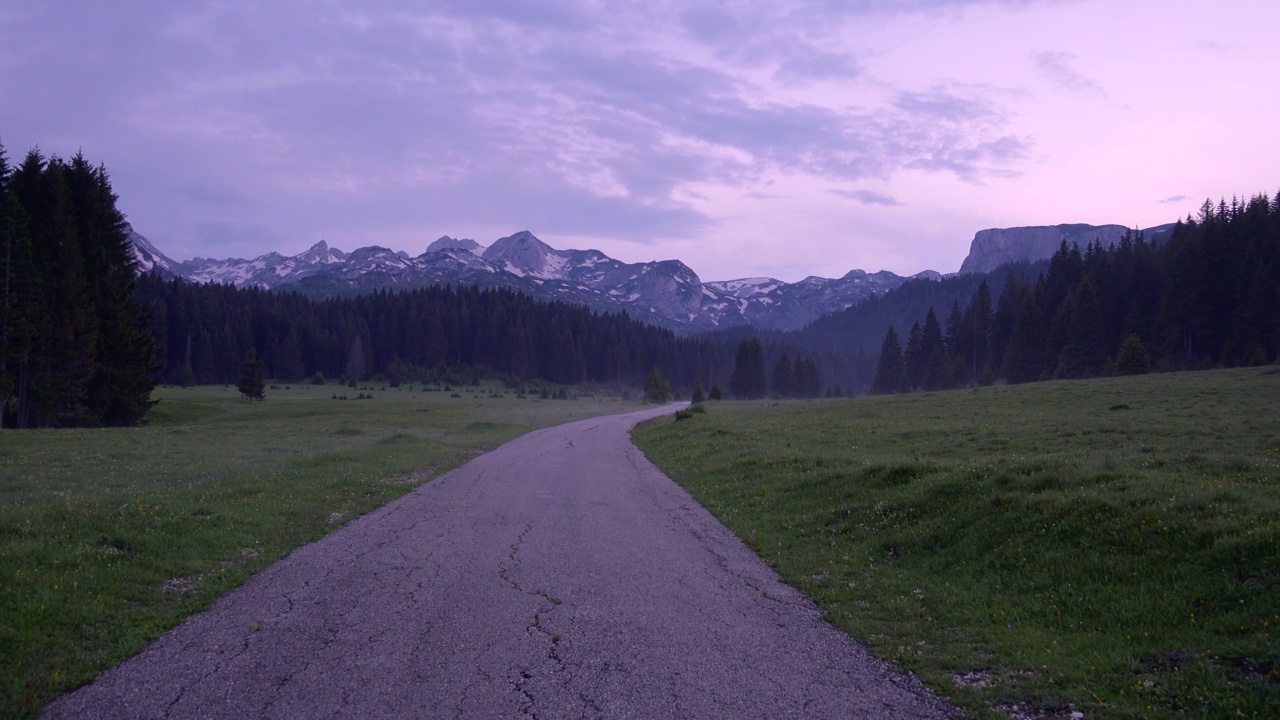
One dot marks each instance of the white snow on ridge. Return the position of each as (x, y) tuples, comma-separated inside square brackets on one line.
[(745, 287), (555, 264)]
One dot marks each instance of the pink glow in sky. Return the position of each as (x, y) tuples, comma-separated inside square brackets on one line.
[(746, 138)]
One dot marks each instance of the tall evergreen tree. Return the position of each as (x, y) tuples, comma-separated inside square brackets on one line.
[(783, 384), (913, 359), (933, 354), (748, 379), (252, 384), (119, 393), (1085, 350), (978, 318), (806, 382), (890, 370)]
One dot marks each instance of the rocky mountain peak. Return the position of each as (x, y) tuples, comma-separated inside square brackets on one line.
[(322, 253), (448, 243), (521, 254)]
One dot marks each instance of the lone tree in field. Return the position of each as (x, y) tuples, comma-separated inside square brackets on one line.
[(656, 389), (1133, 358), (252, 385), (715, 393), (747, 381), (698, 394)]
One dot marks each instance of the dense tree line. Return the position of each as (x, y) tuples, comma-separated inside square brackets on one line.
[(75, 349), (850, 372), (790, 379), (442, 333), (1209, 297)]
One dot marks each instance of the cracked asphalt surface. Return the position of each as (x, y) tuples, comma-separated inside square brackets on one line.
[(559, 576)]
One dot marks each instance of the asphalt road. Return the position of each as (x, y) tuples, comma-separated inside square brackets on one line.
[(559, 576)]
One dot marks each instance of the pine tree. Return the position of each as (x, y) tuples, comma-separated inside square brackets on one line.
[(747, 381), (715, 393), (955, 328), (656, 388), (1023, 360), (357, 357), (783, 384), (978, 320), (289, 364), (698, 394), (1133, 359), (890, 370), (1085, 351), (119, 393), (56, 374), (806, 381), (933, 352), (914, 360), (252, 385)]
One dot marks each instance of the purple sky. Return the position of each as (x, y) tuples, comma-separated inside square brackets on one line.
[(745, 138)]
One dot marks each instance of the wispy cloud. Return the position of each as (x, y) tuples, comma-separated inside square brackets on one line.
[(1056, 67), (867, 197), (1173, 200)]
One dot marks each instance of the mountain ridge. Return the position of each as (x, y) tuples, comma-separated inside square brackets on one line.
[(667, 293)]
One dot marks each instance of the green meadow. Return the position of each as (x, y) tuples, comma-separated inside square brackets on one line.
[(1107, 547), (110, 537)]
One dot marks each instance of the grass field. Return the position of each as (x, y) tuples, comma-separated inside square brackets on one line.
[(110, 537), (1107, 547)]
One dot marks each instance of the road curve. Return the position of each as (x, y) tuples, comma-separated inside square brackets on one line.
[(559, 576)]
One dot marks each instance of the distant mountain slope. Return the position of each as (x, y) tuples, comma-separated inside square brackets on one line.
[(667, 293)]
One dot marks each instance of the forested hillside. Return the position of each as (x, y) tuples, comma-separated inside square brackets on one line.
[(74, 348), (860, 328), (1209, 297), (431, 334)]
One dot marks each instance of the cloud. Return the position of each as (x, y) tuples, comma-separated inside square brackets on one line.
[(809, 64), (867, 197), (1056, 68), (1173, 200), (569, 117)]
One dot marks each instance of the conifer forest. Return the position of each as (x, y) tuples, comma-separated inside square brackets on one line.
[(84, 339), (76, 349), (1207, 298)]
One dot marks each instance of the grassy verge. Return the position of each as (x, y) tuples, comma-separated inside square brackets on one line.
[(108, 538), (1108, 547)]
